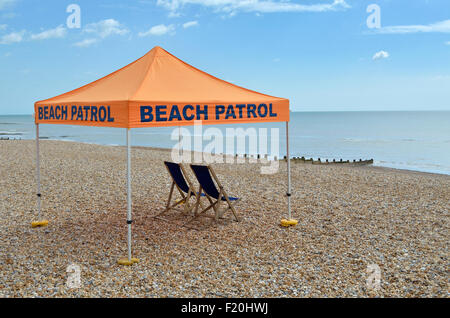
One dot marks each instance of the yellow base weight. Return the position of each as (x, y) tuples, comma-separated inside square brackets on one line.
[(39, 223), (126, 262), (290, 222)]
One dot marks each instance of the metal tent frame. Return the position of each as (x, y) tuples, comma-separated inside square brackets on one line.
[(130, 260)]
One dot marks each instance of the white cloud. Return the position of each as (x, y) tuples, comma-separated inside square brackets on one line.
[(106, 28), (447, 43), (262, 6), (3, 27), (440, 77), (85, 42), (14, 37), (173, 14), (438, 27), (5, 3), (159, 29), (380, 55), (58, 32), (190, 24), (9, 15)]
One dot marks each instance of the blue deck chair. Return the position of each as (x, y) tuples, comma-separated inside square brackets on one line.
[(208, 179), (181, 181)]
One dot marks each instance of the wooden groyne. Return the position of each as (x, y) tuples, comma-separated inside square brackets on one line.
[(310, 160), (327, 162), (319, 161), (294, 159)]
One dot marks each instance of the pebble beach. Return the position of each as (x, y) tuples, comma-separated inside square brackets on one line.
[(350, 218)]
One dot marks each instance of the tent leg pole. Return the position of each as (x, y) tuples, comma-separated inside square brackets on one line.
[(129, 260), (289, 221), (129, 193), (38, 172), (39, 222), (179, 141), (288, 171)]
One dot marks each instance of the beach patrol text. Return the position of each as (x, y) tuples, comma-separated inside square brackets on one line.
[(160, 113), (78, 113)]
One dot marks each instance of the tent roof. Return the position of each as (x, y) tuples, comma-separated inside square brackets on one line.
[(159, 76)]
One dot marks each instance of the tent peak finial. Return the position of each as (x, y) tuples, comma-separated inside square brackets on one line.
[(158, 50)]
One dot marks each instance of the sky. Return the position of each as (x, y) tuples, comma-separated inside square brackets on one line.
[(324, 55)]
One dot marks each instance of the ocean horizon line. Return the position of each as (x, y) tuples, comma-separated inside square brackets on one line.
[(417, 140)]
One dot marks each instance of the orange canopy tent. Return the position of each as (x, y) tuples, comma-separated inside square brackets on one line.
[(158, 90)]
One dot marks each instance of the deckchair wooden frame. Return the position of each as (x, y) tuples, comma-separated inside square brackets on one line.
[(185, 198), (214, 203)]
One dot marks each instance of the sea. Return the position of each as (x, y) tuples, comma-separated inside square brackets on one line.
[(412, 140)]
